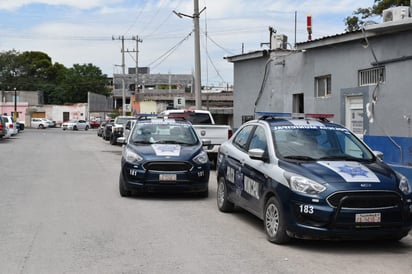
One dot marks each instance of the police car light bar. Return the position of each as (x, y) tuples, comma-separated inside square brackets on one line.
[(320, 116), (263, 115)]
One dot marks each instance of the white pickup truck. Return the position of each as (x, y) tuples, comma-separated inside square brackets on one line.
[(212, 135)]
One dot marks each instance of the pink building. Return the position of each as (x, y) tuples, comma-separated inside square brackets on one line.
[(7, 108)]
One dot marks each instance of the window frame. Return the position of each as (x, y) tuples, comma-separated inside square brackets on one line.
[(326, 83)]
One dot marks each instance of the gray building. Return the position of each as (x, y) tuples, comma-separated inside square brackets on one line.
[(362, 77), (144, 82)]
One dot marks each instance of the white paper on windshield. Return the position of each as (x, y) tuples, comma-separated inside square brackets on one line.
[(166, 149)]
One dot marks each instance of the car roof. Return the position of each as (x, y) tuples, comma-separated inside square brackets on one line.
[(164, 121), (287, 120)]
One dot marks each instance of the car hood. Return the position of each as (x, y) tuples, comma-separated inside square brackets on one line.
[(373, 174), (166, 151)]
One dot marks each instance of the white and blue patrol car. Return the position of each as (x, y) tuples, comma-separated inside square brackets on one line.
[(310, 178)]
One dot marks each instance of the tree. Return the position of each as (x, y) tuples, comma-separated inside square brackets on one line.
[(81, 79), (360, 15), (34, 71)]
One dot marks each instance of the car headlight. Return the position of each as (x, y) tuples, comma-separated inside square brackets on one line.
[(404, 185), (305, 185), (131, 156), (201, 158)]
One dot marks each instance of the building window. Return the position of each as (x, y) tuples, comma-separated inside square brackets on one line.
[(323, 86), (371, 76)]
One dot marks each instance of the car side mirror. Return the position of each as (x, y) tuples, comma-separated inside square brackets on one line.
[(257, 154), (206, 142), (378, 154)]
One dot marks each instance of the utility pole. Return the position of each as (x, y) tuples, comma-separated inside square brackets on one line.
[(138, 40), (122, 38), (195, 17)]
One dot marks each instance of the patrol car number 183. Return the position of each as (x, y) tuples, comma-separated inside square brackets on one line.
[(310, 178)]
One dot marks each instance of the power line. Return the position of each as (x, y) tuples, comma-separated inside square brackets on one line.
[(169, 51)]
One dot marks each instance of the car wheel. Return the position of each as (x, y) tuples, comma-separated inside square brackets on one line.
[(86, 128), (223, 203), (74, 128), (274, 222), (41, 126), (122, 189)]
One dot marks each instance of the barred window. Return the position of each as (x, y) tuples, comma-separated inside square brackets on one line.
[(323, 86), (371, 76)]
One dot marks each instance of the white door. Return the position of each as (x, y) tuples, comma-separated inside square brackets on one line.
[(354, 115)]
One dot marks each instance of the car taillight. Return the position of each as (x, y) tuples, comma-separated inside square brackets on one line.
[(11, 126)]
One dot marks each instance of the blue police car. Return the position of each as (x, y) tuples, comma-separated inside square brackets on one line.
[(164, 155), (306, 177)]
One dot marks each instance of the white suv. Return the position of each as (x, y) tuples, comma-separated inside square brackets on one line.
[(11, 125)]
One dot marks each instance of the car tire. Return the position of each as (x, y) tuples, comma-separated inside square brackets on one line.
[(274, 222), (223, 204), (122, 188), (86, 128), (41, 126)]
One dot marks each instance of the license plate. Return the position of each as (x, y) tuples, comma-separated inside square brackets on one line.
[(167, 177), (368, 218)]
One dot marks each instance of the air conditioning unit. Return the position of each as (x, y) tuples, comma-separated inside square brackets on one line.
[(279, 41), (396, 13)]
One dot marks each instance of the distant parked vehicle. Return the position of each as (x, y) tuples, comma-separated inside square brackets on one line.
[(76, 125), (11, 125), (39, 123), (107, 130), (94, 123), (3, 128), (49, 122)]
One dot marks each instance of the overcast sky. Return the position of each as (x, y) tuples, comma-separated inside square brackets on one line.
[(82, 31)]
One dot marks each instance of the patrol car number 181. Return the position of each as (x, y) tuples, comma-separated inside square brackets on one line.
[(310, 178)]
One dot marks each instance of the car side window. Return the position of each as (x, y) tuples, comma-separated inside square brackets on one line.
[(241, 139), (258, 139)]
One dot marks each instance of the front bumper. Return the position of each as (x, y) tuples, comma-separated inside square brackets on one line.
[(139, 179), (353, 217)]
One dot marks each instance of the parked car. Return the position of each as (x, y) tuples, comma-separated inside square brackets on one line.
[(76, 124), (95, 123), (39, 123), (49, 122), (203, 122), (118, 127), (164, 155), (101, 128), (310, 178), (107, 130), (11, 125), (3, 127)]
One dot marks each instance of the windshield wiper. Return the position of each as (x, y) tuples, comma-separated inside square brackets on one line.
[(142, 142), (299, 157), (169, 142), (342, 158)]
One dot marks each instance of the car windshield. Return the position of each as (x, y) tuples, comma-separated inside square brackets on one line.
[(319, 143), (163, 133), (123, 120)]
